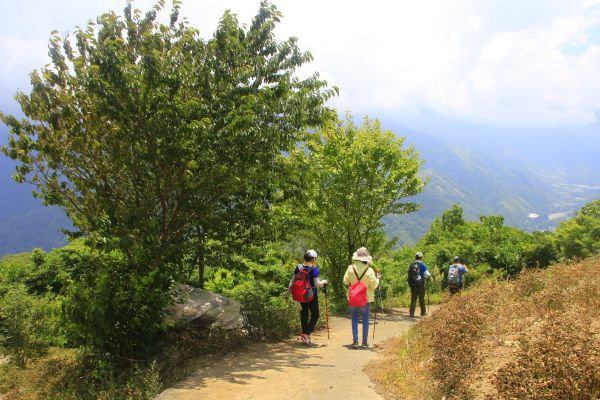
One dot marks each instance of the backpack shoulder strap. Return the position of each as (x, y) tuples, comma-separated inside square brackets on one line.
[(364, 272), (355, 274), (361, 275)]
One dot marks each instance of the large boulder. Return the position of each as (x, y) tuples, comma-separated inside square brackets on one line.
[(202, 308)]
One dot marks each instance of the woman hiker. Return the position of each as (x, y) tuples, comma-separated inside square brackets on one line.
[(362, 281), (304, 288)]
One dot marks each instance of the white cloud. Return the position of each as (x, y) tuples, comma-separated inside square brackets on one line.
[(501, 62)]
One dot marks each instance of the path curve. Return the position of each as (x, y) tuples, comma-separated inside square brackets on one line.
[(290, 370)]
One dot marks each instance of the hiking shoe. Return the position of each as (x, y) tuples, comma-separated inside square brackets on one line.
[(355, 345), (411, 315), (365, 345), (424, 315), (306, 339)]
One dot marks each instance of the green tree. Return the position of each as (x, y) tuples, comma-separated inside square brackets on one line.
[(352, 176), (579, 237), (151, 137)]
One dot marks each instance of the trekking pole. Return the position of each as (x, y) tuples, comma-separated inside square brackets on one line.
[(381, 302), (375, 320), (428, 302), (326, 311)]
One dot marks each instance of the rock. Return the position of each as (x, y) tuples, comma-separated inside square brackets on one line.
[(199, 307)]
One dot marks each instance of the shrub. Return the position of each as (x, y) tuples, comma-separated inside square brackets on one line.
[(111, 309), (266, 312), (28, 324)]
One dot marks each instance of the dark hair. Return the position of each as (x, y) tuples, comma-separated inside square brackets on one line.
[(307, 257), (456, 259)]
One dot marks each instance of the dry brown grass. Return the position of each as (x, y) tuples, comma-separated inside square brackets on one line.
[(536, 337)]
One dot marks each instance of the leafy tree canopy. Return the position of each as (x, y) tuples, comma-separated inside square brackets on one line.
[(350, 178), (148, 135), (579, 237)]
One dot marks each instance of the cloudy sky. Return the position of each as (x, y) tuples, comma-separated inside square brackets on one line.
[(500, 64)]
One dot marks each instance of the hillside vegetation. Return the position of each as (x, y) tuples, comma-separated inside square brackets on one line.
[(184, 160), (536, 337)]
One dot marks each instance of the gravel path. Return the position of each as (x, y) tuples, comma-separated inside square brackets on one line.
[(290, 370)]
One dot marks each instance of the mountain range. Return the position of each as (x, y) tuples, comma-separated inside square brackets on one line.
[(535, 184)]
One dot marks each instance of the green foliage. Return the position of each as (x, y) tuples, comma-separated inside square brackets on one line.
[(579, 237), (484, 247), (261, 287), (14, 270), (592, 209), (350, 177), (28, 324), (267, 314), (541, 251), (155, 141), (112, 309), (42, 272), (52, 270)]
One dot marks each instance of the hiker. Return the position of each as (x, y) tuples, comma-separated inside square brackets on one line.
[(303, 286), (417, 273), (362, 281), (455, 274)]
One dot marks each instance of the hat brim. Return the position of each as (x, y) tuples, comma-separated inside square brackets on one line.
[(362, 258)]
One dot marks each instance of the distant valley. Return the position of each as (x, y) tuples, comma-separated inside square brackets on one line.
[(535, 185), (533, 189)]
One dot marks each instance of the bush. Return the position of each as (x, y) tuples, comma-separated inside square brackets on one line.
[(579, 237), (267, 314), (112, 309), (28, 324), (261, 287)]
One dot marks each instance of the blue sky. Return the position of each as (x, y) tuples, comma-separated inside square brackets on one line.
[(493, 65)]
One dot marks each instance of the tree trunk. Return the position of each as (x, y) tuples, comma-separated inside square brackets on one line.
[(201, 272)]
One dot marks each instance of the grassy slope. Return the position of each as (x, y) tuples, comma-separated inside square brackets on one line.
[(537, 337)]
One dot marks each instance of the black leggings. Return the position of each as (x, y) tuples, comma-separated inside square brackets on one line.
[(309, 326)]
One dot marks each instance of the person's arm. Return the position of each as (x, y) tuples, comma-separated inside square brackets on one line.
[(466, 270), (317, 281), (374, 279), (347, 277), (425, 271)]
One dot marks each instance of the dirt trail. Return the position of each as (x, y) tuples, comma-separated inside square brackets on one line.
[(290, 370)]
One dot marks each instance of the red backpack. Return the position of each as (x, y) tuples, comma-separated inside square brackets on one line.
[(302, 290), (358, 291)]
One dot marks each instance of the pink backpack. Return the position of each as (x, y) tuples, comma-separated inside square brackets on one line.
[(358, 291)]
